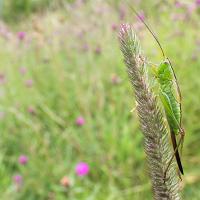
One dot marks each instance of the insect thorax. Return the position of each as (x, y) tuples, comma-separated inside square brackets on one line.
[(165, 73)]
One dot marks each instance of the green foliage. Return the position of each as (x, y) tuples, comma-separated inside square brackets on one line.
[(13, 10)]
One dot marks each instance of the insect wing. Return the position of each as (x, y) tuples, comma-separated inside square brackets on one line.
[(175, 91), (175, 82)]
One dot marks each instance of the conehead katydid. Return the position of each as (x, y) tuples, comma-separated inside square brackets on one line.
[(170, 97)]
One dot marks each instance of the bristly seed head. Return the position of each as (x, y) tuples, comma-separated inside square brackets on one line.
[(156, 142), (124, 28)]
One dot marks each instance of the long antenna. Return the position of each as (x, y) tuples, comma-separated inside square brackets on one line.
[(152, 33)]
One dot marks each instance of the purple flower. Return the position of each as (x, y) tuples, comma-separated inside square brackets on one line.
[(31, 110), (2, 79), (115, 79), (198, 2), (82, 169), (80, 121), (114, 27), (65, 181), (29, 83), (97, 50), (18, 179), (178, 4), (21, 35), (122, 13), (194, 57), (23, 160), (23, 70), (85, 47)]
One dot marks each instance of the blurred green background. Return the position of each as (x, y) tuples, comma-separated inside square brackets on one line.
[(65, 97)]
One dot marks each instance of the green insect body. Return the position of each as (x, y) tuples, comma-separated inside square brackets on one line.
[(170, 97)]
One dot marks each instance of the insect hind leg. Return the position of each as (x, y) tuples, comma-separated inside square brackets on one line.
[(171, 159)]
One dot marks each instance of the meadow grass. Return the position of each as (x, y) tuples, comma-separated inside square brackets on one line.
[(66, 67)]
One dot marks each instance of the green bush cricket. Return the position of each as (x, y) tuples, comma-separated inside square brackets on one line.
[(170, 96)]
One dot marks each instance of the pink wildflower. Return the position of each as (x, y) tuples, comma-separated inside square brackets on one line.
[(85, 47), (31, 110), (194, 57), (23, 70), (23, 160), (18, 179), (29, 83), (82, 169), (122, 13), (98, 50), (114, 27), (115, 79), (2, 79), (21, 35), (198, 2), (80, 121), (178, 4), (65, 181)]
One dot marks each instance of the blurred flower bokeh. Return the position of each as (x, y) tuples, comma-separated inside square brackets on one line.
[(82, 169)]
